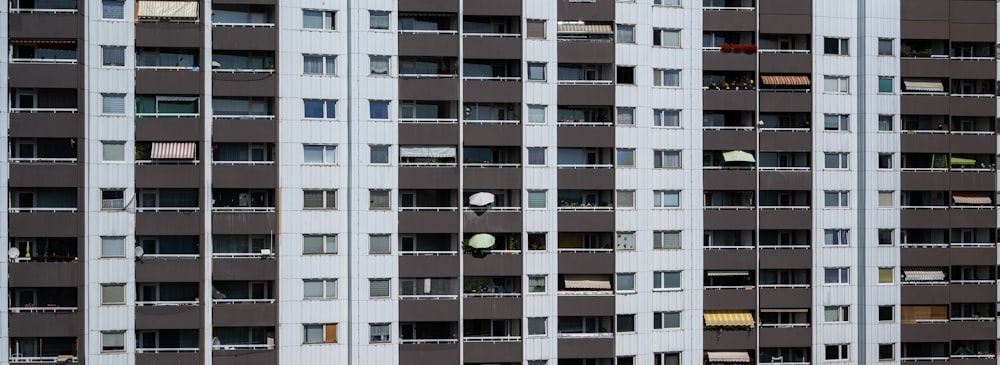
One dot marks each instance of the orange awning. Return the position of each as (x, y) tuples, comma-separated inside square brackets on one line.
[(785, 80)]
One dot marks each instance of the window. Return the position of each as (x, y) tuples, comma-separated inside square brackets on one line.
[(319, 154), (625, 116), (885, 84), (885, 199), (885, 123), (835, 237), (625, 33), (625, 157), (112, 9), (664, 320), (536, 283), (319, 288), (625, 198), (112, 246), (835, 84), (836, 313), (112, 151), (885, 160), (666, 198), (536, 199), (536, 71), (326, 109), (835, 160), (663, 240), (885, 236), (536, 156), (378, 199), (378, 288), (837, 46), (837, 275), (536, 29), (112, 294), (886, 312), (378, 153), (666, 280), (317, 244), (378, 332), (378, 109), (835, 199), (886, 352), (836, 122), (536, 326), (625, 75), (666, 118), (319, 199), (113, 104), (378, 20), (665, 358), (538, 362), (319, 64), (885, 275), (536, 114), (318, 19), (666, 159), (112, 199), (625, 323), (666, 37), (625, 282), (379, 64), (319, 333), (885, 47), (667, 78), (113, 56), (667, 2), (378, 244), (836, 352), (112, 341)]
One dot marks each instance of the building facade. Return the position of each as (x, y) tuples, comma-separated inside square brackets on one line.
[(572, 182)]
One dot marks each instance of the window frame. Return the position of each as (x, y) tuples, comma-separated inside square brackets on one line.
[(388, 19), (324, 244), (662, 115), (842, 275), (118, 241), (120, 4), (843, 46), (112, 346), (329, 203), (660, 199), (881, 42), (842, 160), (329, 19), (841, 349), (665, 319), (843, 84), (372, 150), (326, 150), (658, 37), (843, 198), (661, 75), (325, 283), (661, 276), (536, 65), (380, 339), (841, 314), (104, 54)]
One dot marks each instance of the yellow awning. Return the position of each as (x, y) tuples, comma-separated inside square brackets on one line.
[(596, 282), (585, 28), (785, 80), (923, 85), (719, 356), (159, 9), (728, 319)]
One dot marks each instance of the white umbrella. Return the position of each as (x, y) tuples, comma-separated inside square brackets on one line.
[(481, 199)]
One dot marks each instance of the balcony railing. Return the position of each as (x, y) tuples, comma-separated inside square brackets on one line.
[(259, 346), (167, 115), (491, 338), (924, 358), (41, 210), (243, 163), (428, 253), (583, 122), (429, 341), (166, 303), (586, 335), (491, 295), (43, 309), (242, 301), (17, 358), (729, 247), (168, 68), (491, 121), (586, 292), (785, 325), (243, 70), (44, 60), (785, 168), (973, 282), (803, 51), (244, 25), (43, 11), (499, 165), (43, 160), (784, 247), (495, 209), (428, 76), (43, 110), (167, 209), (428, 209), (586, 166), (583, 207), (983, 356), (428, 164), (165, 350), (492, 35), (428, 297), (491, 78), (923, 245), (784, 286), (984, 318), (171, 256), (243, 210), (244, 116), (972, 244), (785, 207), (429, 120), (167, 162), (585, 82), (427, 31)]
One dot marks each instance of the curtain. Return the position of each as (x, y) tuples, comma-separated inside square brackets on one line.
[(626, 34), (380, 65), (536, 156), (536, 114), (113, 56), (330, 62), (379, 20), (312, 64), (626, 116), (379, 154)]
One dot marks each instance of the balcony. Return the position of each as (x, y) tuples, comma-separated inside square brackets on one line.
[(924, 351), (43, 200), (242, 292), (585, 285), (585, 327), (43, 349), (44, 249), (492, 287), (43, 300), (430, 288), (422, 34), (585, 200), (57, 19), (729, 200), (428, 333), (241, 339), (241, 26), (785, 278), (43, 100), (243, 246), (242, 201), (167, 341), (243, 108), (427, 244)]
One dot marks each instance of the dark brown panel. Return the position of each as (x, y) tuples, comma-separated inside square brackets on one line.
[(927, 143), (151, 270), (494, 8), (730, 260), (969, 69), (168, 35), (785, 258), (786, 219), (586, 348), (603, 221), (436, 45), (728, 299), (985, 107), (924, 29), (168, 223), (169, 317), (38, 324), (924, 67), (925, 10), (249, 131), (41, 25), (786, 63), (428, 178), (58, 224), (925, 294), (730, 219), (780, 141), (169, 129), (428, 133), (245, 38), (729, 21), (168, 176), (493, 265), (974, 330), (245, 269), (785, 298), (971, 181), (429, 310), (492, 222), (428, 266), (585, 136), (572, 305), (245, 176), (718, 61), (168, 358), (586, 94), (492, 308), (39, 75), (587, 179), (165, 82), (964, 11), (785, 102), (925, 180), (985, 256), (785, 7), (924, 332), (501, 48), (44, 175), (492, 178), (785, 180), (729, 99), (923, 104), (925, 256), (972, 143), (493, 352), (586, 52), (785, 337), (45, 125), (729, 339), (428, 89), (924, 218), (960, 32), (977, 293), (428, 222), (785, 23), (492, 134), (438, 6), (243, 357), (428, 354), (244, 223), (974, 217), (239, 315), (485, 91), (586, 263), (45, 274), (244, 84), (728, 140), (729, 179), (596, 10)]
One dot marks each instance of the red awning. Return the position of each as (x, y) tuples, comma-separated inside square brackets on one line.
[(785, 80), (172, 151)]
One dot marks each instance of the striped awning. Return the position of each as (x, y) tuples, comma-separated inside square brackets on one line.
[(727, 273), (427, 151), (971, 198), (923, 275), (599, 282), (719, 356), (172, 151), (785, 80), (585, 28), (43, 41), (923, 85), (160, 9), (728, 319)]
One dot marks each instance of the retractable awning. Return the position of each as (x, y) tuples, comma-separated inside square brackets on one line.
[(738, 156), (785, 80), (923, 85), (718, 356), (962, 161), (584, 28), (971, 198), (728, 319), (427, 151), (923, 275), (172, 151), (157, 9), (727, 273), (588, 282)]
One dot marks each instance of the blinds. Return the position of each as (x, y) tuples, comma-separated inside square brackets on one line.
[(885, 199), (113, 9), (666, 239), (536, 199), (625, 198), (378, 288), (379, 244), (113, 103), (113, 56), (536, 29), (312, 199)]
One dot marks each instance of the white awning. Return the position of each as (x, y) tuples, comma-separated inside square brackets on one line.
[(172, 151), (718, 356), (584, 28), (481, 199), (588, 282), (727, 273), (159, 9), (971, 198), (923, 85), (427, 151), (738, 156), (923, 275)]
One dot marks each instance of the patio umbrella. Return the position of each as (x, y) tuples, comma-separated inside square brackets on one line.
[(481, 199), (482, 240)]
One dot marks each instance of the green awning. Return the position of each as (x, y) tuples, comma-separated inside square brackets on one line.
[(958, 161), (482, 240), (738, 156)]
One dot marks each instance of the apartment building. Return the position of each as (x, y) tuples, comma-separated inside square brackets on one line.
[(572, 182)]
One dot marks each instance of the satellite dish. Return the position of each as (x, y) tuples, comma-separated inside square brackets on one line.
[(13, 253), (139, 251)]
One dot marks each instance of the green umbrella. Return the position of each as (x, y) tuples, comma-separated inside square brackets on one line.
[(482, 240), (958, 161)]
